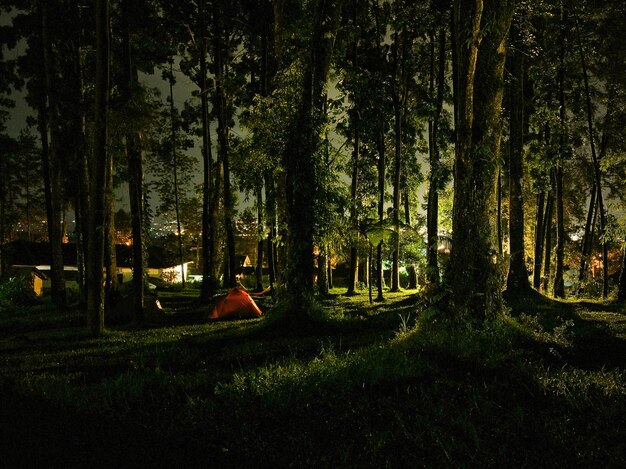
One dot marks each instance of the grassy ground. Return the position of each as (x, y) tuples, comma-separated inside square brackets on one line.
[(372, 386)]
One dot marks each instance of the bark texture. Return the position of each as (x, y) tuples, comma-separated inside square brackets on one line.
[(298, 157), (480, 32)]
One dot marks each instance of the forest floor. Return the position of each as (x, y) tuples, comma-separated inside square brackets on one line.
[(385, 385)]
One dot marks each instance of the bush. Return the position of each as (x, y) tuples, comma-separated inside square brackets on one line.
[(16, 291)]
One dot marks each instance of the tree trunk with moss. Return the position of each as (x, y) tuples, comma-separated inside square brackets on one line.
[(480, 32), (298, 158)]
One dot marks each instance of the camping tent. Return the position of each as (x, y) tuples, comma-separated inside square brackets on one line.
[(237, 304)]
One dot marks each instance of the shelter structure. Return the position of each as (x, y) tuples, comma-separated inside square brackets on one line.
[(237, 304)]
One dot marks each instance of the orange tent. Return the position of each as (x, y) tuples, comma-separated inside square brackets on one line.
[(236, 305)]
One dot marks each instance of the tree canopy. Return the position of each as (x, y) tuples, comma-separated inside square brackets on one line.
[(463, 147)]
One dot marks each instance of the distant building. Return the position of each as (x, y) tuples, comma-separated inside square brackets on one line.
[(26, 256)]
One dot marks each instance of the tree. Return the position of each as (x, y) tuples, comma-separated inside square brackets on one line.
[(50, 134), (400, 94), (559, 289), (378, 129), (192, 38), (208, 204), (351, 69), (300, 149), (100, 163), (517, 280), (437, 174), (595, 161), (479, 54), (129, 89), (7, 209), (175, 171), (173, 166), (222, 50)]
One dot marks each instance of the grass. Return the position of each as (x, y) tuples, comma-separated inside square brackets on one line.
[(374, 386)]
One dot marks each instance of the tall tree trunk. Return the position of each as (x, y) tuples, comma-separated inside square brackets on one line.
[(395, 255), (179, 233), (517, 280), (354, 185), (432, 211), (75, 114), (559, 288), (267, 72), (298, 157), (101, 156), (209, 227), (539, 239), (222, 138), (475, 277), (397, 112), (130, 83), (51, 161)]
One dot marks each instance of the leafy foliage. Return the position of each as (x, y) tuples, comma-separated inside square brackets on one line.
[(16, 291)]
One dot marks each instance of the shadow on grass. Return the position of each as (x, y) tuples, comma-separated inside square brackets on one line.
[(346, 391), (440, 395), (586, 324)]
